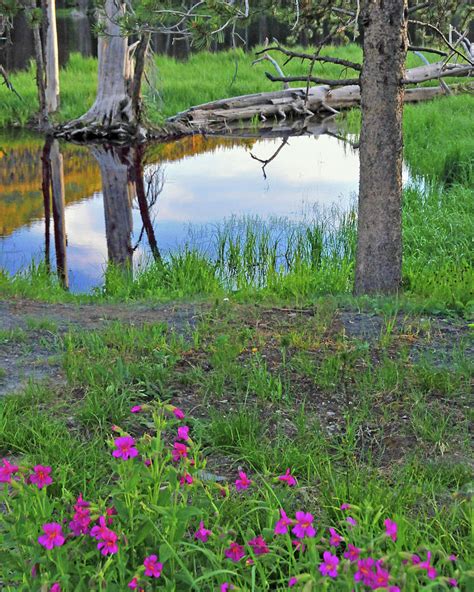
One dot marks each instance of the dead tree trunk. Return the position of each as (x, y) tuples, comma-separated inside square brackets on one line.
[(43, 118), (46, 189), (51, 57), (117, 190), (115, 113), (379, 247)]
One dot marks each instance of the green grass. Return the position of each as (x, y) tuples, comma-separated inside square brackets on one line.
[(266, 389)]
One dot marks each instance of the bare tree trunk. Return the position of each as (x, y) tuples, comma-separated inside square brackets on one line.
[(43, 119), (51, 55), (136, 90), (379, 248), (112, 103), (59, 206), (117, 190)]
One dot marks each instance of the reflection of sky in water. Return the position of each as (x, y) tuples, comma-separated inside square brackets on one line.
[(200, 190)]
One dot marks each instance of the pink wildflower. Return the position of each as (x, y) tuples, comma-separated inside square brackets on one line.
[(108, 544), (225, 587), (153, 568), (6, 471), (352, 553), (292, 582), (452, 558), (41, 476), (329, 565), (365, 573), (235, 552), (391, 529), (345, 507), (243, 482), (281, 527), (380, 578), (335, 539), (288, 478), (304, 525), (179, 451), (453, 582), (147, 462), (133, 584), (299, 545), (202, 533), (351, 521), (81, 519), (52, 537), (178, 413), (259, 545), (186, 479), (99, 531), (430, 570), (109, 512), (55, 587), (136, 409), (125, 448), (394, 589), (183, 433), (415, 559)]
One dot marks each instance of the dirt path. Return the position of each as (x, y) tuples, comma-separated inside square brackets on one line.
[(31, 344)]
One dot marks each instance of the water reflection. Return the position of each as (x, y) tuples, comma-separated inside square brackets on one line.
[(52, 208)]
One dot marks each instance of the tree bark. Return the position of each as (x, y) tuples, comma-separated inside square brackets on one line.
[(51, 57), (43, 119), (379, 246)]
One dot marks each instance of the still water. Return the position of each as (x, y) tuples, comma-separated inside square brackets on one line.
[(120, 204)]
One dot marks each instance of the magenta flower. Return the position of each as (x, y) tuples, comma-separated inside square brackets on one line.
[(259, 545), (41, 476), (292, 582), (235, 552), (99, 531), (6, 471), (202, 533), (225, 587), (304, 525), (81, 519), (281, 527), (352, 553), (136, 409), (133, 584), (55, 587), (329, 565), (299, 545), (183, 433), (52, 537), (351, 521), (179, 451), (147, 462), (153, 568), (391, 529), (335, 539), (365, 573), (415, 559), (345, 506), (178, 413), (452, 558), (453, 582), (108, 544), (243, 482), (288, 478), (430, 570), (125, 448), (186, 479), (394, 589), (380, 578)]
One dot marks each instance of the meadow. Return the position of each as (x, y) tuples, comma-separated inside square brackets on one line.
[(250, 425)]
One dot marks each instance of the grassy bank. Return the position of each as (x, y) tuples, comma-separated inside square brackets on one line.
[(178, 84), (354, 405)]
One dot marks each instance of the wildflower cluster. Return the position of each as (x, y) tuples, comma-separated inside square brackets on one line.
[(163, 521)]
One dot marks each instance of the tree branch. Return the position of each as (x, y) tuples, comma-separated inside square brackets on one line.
[(7, 83), (311, 56), (328, 81)]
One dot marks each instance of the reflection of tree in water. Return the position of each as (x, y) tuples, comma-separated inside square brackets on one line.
[(123, 180), (53, 192)]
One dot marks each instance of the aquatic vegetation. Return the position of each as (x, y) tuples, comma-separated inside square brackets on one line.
[(203, 536)]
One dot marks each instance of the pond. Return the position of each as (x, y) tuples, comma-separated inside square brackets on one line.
[(125, 205)]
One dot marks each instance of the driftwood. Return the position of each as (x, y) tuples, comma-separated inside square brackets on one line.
[(321, 100)]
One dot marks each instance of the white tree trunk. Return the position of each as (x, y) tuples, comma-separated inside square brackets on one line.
[(52, 60), (113, 104)]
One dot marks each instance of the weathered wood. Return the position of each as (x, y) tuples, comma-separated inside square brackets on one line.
[(51, 58)]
